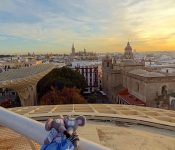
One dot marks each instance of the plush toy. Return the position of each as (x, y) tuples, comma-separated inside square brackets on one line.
[(62, 128), (71, 125), (57, 139), (56, 130)]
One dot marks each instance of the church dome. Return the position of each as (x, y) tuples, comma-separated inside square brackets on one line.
[(128, 47)]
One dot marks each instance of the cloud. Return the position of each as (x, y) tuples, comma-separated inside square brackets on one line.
[(103, 24)]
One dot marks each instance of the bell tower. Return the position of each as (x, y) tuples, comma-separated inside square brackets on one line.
[(73, 49)]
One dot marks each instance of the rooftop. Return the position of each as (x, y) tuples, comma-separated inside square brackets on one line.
[(130, 99), (145, 73), (24, 72), (112, 125), (113, 110)]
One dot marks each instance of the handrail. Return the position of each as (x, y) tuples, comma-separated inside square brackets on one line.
[(35, 130)]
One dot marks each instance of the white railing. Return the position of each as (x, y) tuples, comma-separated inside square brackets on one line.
[(35, 130)]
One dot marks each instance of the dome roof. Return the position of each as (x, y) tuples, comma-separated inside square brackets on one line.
[(128, 47)]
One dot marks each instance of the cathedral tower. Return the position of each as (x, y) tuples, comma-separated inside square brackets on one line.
[(73, 49)]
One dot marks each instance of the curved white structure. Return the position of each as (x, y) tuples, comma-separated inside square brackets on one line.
[(35, 130), (24, 81)]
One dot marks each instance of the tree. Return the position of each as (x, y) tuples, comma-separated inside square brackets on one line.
[(60, 78), (64, 96)]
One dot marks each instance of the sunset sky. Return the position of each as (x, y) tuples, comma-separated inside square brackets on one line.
[(98, 25)]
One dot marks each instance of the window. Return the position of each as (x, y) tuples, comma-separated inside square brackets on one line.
[(107, 64), (137, 87), (164, 90)]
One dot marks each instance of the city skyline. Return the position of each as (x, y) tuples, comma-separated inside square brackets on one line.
[(97, 25)]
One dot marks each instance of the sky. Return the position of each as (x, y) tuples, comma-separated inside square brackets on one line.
[(45, 26)]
